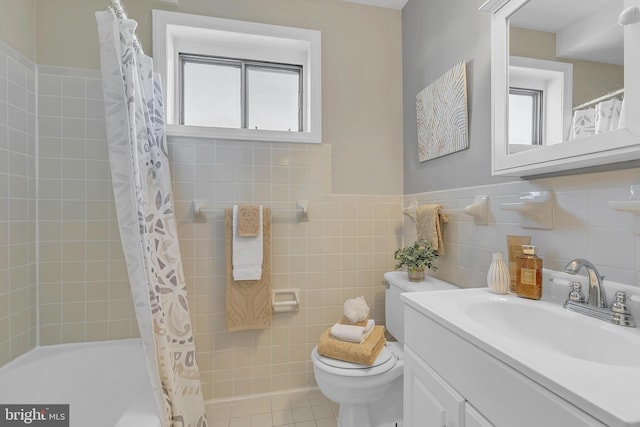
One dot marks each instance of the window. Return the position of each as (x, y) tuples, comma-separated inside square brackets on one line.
[(525, 116), (540, 101), (235, 93), (238, 80)]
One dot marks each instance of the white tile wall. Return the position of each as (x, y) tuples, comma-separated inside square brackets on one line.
[(18, 313), (84, 290), (585, 227)]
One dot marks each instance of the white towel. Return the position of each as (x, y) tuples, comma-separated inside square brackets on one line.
[(247, 252), (352, 333)]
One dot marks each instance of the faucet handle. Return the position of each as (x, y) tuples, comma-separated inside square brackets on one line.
[(620, 306), (576, 293), (621, 314)]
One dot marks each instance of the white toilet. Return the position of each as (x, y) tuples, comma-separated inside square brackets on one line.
[(372, 396)]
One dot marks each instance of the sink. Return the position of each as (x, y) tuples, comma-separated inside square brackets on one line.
[(552, 328), (593, 364), (533, 332)]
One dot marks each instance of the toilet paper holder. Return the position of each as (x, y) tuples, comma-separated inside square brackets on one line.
[(285, 300)]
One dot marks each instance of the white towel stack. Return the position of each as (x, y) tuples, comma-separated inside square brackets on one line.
[(355, 310), (352, 333)]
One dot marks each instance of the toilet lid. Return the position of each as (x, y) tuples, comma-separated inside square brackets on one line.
[(385, 361)]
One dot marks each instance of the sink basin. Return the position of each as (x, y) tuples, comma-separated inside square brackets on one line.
[(552, 328), (591, 363)]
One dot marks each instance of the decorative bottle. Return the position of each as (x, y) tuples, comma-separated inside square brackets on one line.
[(498, 275), (529, 277)]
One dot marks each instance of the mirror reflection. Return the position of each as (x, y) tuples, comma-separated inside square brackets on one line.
[(566, 72)]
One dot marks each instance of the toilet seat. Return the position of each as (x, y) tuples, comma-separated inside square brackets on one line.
[(384, 362)]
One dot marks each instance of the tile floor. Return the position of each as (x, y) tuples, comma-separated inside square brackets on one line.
[(297, 409)]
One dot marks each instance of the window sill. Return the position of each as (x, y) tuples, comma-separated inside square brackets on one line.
[(243, 134)]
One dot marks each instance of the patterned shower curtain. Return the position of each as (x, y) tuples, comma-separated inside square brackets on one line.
[(144, 204)]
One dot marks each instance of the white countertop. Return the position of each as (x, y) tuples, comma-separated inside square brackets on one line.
[(604, 383)]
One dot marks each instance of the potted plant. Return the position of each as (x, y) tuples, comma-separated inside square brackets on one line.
[(416, 258)]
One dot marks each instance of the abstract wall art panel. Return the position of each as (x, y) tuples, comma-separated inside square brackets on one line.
[(442, 115)]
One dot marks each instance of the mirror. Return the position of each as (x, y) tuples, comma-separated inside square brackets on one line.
[(566, 71), (560, 97)]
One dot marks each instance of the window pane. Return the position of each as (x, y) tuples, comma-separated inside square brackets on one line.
[(521, 119), (273, 99), (212, 95)]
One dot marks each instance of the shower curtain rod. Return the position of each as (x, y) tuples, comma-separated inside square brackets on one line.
[(118, 8), (597, 100)]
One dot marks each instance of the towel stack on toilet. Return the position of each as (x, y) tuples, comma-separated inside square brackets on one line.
[(355, 325), (355, 338)]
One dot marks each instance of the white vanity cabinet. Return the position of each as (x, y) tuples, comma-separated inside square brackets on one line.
[(431, 402), (449, 381)]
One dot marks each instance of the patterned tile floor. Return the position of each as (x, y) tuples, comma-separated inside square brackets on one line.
[(298, 409)]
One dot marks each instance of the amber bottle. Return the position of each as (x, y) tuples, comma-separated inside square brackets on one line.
[(529, 275)]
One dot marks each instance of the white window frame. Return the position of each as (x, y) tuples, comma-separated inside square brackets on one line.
[(174, 33), (555, 79)]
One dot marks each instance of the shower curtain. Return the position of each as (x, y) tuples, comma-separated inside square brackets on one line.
[(144, 204)]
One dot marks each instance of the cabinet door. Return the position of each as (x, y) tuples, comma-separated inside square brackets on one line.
[(473, 418), (428, 400)]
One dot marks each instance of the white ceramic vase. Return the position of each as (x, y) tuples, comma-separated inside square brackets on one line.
[(498, 275)]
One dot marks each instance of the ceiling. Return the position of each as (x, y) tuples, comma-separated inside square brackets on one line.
[(585, 29)]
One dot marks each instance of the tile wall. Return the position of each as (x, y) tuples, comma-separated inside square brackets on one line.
[(342, 252), (18, 307), (84, 290), (584, 227)]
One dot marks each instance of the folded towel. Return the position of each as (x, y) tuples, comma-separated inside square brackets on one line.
[(352, 333), (249, 220), (247, 252), (355, 309), (345, 321), (248, 302), (429, 226), (365, 353)]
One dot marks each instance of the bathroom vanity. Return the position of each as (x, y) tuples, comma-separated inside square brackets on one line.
[(473, 358)]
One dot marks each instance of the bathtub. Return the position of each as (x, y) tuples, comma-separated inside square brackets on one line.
[(105, 383)]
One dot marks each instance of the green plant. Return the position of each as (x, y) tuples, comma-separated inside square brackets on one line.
[(419, 256)]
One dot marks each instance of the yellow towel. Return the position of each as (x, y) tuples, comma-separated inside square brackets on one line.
[(365, 353), (248, 302), (248, 220), (429, 226)]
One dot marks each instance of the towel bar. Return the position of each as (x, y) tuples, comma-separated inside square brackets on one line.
[(301, 211), (479, 210)]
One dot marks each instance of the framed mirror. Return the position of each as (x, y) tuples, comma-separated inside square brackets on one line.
[(563, 86)]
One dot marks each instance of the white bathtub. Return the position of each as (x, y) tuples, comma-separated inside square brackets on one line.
[(105, 383)]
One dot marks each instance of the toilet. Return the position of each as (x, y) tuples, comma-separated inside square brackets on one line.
[(371, 396)]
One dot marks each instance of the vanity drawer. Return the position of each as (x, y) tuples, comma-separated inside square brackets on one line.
[(502, 394)]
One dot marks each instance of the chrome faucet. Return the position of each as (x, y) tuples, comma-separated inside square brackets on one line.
[(596, 296)]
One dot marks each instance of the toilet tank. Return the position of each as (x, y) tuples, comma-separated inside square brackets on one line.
[(398, 283)]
